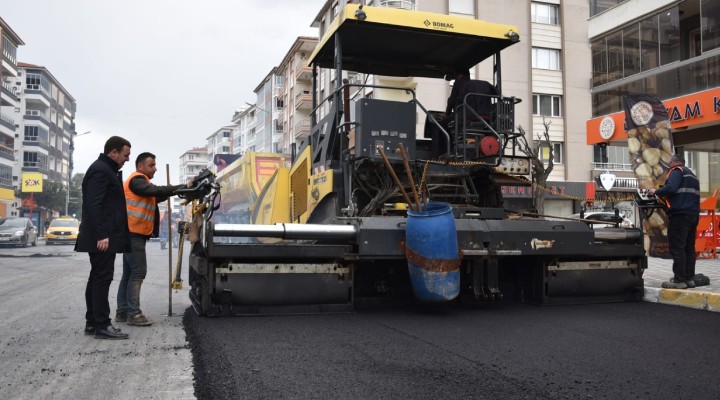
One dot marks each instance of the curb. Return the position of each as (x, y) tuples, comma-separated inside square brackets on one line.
[(686, 298)]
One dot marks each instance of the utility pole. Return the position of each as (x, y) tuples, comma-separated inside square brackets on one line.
[(70, 169)]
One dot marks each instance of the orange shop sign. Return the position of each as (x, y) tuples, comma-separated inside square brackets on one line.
[(687, 111)]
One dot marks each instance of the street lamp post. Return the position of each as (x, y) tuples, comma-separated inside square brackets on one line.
[(70, 168)]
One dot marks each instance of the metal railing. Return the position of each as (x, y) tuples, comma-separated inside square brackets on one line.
[(403, 4), (7, 119), (611, 166)]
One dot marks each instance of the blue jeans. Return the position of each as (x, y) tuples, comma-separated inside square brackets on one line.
[(134, 271)]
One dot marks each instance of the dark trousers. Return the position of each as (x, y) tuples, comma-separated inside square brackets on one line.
[(102, 268), (134, 272), (681, 237), (439, 140)]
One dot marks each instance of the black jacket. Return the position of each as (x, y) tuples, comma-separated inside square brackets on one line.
[(682, 190), (104, 214), (142, 187)]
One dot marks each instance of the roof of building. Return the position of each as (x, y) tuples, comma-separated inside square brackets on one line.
[(10, 32), (25, 65)]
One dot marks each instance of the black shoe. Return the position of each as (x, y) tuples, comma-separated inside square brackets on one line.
[(111, 333), (90, 330), (690, 283)]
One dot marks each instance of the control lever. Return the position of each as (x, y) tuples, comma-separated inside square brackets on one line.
[(202, 185)]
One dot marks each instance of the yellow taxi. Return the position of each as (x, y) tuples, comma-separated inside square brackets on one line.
[(62, 230)]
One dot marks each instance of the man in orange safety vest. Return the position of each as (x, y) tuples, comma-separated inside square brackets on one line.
[(141, 198)]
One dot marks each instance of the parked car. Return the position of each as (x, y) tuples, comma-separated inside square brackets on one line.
[(62, 230), (604, 219), (18, 232)]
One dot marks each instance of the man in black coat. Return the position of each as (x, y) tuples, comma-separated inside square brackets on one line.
[(103, 233)]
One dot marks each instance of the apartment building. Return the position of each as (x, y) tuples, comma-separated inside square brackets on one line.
[(9, 125), (668, 48), (268, 109), (47, 127), (550, 70), (192, 162), (220, 142), (244, 122), (295, 96)]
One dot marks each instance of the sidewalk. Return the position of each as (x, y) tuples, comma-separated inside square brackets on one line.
[(702, 297)]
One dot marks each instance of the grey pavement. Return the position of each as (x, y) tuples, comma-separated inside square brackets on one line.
[(44, 353), (702, 297)]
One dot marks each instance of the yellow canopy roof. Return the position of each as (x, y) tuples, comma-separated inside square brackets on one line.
[(396, 42)]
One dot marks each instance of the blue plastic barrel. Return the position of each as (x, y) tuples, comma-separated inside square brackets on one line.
[(431, 249)]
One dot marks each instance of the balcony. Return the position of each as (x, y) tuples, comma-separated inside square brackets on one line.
[(9, 57), (34, 166), (302, 128), (303, 100), (37, 96), (8, 96), (7, 122), (304, 73), (37, 115), (611, 167), (402, 4)]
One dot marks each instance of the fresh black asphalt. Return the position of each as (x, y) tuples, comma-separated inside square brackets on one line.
[(501, 351)]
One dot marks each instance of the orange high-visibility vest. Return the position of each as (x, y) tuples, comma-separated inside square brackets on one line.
[(140, 209), (667, 200)]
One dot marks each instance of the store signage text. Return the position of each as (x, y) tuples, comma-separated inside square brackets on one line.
[(692, 110)]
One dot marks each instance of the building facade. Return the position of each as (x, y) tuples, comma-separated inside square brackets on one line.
[(667, 48), (268, 110), (47, 126), (192, 162), (220, 142), (9, 124), (295, 95)]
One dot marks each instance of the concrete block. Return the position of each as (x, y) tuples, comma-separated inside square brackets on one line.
[(713, 302), (685, 298), (651, 294)]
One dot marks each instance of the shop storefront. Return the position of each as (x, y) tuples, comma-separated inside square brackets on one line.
[(695, 126)]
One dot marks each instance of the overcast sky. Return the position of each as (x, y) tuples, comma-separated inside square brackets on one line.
[(164, 74)]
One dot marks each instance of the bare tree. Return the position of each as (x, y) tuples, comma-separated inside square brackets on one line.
[(541, 169)]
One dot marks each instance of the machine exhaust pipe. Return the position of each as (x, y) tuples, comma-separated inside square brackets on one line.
[(617, 234), (288, 231)]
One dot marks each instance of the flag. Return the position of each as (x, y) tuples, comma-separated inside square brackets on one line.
[(651, 146)]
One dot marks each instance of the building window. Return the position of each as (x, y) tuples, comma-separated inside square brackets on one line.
[(617, 155), (546, 58), (5, 175), (226, 149), (710, 24), (599, 62), (9, 49), (36, 134), (598, 6), (547, 105), (30, 159), (544, 152), (543, 13), (462, 7), (226, 134)]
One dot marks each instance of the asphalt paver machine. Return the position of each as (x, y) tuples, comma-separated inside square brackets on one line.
[(328, 233)]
